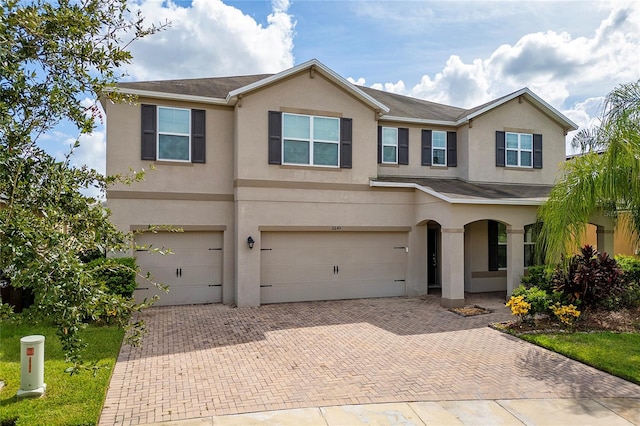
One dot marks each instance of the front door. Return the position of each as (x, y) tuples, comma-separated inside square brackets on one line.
[(433, 276)]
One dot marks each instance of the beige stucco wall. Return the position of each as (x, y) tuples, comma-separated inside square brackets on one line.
[(305, 95), (519, 117), (123, 151)]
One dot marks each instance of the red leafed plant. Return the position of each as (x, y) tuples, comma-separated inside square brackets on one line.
[(590, 278)]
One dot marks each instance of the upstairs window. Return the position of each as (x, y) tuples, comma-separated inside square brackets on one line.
[(389, 145), (310, 140), (174, 132), (519, 149), (439, 148)]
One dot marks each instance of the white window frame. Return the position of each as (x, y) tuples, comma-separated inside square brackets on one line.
[(518, 150), (311, 141), (433, 148), (158, 133), (388, 145)]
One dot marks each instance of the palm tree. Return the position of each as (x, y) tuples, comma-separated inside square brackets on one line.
[(604, 179)]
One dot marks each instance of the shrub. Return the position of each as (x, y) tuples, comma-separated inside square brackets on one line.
[(630, 266), (539, 276), (590, 278), (118, 274), (538, 299)]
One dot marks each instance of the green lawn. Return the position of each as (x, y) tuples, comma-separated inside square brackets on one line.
[(615, 353), (69, 400)]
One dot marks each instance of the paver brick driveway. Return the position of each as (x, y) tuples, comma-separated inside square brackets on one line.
[(210, 360)]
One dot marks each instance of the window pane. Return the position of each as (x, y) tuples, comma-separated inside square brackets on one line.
[(173, 120), (438, 157), (502, 256), (512, 158), (439, 140), (389, 154), (326, 129), (325, 154), (297, 126), (526, 141), (502, 233), (296, 152), (390, 137), (512, 140), (529, 255), (173, 147), (525, 159)]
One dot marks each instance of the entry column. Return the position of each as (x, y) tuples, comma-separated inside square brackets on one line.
[(452, 268), (515, 259)]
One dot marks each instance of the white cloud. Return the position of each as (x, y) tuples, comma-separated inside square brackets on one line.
[(209, 39), (92, 153), (555, 65)]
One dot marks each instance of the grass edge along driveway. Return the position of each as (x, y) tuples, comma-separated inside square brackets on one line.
[(614, 353), (69, 400)]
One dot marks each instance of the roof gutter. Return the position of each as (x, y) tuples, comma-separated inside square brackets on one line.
[(171, 96), (478, 201)]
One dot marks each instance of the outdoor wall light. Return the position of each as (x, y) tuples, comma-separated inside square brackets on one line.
[(251, 242)]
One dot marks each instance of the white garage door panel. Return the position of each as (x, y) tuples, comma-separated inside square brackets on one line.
[(297, 266), (193, 271)]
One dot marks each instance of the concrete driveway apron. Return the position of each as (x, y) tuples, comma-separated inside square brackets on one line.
[(212, 360)]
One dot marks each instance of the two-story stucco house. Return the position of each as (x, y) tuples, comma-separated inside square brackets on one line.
[(302, 186)]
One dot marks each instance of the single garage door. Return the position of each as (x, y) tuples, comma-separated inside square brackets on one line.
[(302, 266), (193, 272)]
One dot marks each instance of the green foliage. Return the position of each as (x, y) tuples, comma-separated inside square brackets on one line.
[(117, 274), (604, 180), (538, 276), (630, 265), (70, 400), (53, 55), (590, 278), (538, 298)]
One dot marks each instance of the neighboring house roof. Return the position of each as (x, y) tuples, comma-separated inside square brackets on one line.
[(391, 106), (457, 191)]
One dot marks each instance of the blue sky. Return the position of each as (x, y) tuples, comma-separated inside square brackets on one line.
[(462, 53)]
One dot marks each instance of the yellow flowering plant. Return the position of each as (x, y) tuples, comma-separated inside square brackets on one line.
[(567, 314), (519, 306)]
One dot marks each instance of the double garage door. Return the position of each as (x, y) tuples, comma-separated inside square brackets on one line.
[(193, 271), (304, 266)]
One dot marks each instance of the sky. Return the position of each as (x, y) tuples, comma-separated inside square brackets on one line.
[(460, 53)]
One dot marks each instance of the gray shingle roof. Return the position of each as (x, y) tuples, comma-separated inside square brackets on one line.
[(462, 190), (215, 87)]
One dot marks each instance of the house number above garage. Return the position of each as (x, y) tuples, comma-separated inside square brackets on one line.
[(336, 228)]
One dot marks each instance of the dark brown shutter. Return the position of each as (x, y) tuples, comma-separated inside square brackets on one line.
[(403, 145), (198, 140), (275, 137), (500, 152), (379, 144), (537, 151), (148, 145), (345, 142), (426, 147), (492, 234), (452, 149)]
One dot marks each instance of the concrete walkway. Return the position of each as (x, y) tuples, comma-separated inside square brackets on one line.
[(350, 357), (566, 412)]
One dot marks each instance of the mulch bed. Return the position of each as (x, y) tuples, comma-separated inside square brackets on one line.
[(622, 321), (470, 311)]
